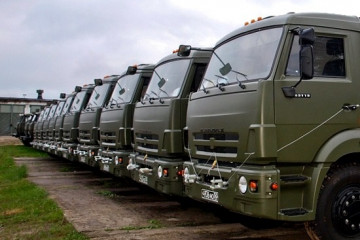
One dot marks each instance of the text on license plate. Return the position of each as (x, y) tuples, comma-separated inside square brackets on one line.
[(210, 195)]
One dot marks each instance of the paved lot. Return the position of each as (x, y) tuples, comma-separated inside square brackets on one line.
[(104, 207)]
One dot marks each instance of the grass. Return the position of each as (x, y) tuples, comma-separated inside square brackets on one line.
[(26, 212)]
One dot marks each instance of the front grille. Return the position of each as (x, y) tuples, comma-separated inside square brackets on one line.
[(147, 141), (221, 143), (84, 135)]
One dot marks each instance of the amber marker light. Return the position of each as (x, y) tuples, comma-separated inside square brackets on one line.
[(165, 172)]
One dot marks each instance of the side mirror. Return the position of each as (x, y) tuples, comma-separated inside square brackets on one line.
[(307, 36), (184, 50), (62, 95), (225, 69), (122, 91), (98, 82), (306, 62), (131, 70), (161, 82), (78, 89)]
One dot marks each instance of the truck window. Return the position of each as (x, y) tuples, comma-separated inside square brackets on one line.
[(199, 74), (328, 57)]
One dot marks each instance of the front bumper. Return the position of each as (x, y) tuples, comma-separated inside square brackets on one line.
[(220, 185), (114, 162), (163, 175)]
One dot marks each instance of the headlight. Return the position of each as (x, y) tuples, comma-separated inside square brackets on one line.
[(243, 184), (160, 171)]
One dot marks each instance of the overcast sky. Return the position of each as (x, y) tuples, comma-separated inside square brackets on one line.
[(55, 45)]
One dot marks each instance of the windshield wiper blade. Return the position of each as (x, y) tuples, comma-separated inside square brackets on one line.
[(239, 82), (160, 100)]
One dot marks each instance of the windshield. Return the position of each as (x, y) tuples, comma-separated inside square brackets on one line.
[(167, 79), (249, 57), (52, 111), (124, 89), (59, 108), (67, 105), (75, 107), (98, 96)]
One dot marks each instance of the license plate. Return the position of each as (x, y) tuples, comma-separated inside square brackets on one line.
[(143, 179), (82, 159), (106, 168), (64, 155), (210, 195)]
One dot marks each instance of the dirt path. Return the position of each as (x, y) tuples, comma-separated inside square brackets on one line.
[(9, 140), (104, 207)]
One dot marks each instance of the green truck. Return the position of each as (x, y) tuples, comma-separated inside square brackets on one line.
[(273, 131), (70, 126), (58, 121), (89, 134), (117, 118), (159, 119)]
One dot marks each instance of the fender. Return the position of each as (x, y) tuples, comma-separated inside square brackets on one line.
[(339, 145)]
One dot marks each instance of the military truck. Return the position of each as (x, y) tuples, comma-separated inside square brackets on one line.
[(21, 128), (90, 120), (26, 132), (273, 131), (59, 121), (48, 127), (29, 128), (116, 120), (38, 128), (159, 119), (70, 129)]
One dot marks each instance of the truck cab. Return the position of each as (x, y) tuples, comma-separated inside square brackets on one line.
[(279, 139), (49, 126), (59, 121), (70, 129), (38, 128), (90, 120), (159, 119), (116, 120)]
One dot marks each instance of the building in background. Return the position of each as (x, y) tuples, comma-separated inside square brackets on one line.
[(10, 108)]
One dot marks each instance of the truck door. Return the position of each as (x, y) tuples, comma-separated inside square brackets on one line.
[(307, 120)]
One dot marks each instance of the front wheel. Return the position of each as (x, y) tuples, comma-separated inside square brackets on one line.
[(338, 208)]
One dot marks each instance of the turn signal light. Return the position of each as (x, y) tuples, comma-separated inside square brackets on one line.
[(274, 186), (165, 172), (253, 186)]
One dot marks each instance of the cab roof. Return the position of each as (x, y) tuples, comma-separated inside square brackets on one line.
[(305, 19)]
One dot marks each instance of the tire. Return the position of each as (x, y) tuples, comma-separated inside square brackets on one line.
[(338, 208)]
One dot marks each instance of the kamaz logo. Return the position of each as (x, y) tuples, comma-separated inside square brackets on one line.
[(212, 130)]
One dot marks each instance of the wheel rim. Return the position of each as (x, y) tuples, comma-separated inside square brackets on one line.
[(346, 212)]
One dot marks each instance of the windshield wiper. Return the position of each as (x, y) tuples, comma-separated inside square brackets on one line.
[(221, 85), (160, 100), (227, 68)]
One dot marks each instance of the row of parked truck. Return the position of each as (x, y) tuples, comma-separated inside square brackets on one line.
[(265, 123)]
